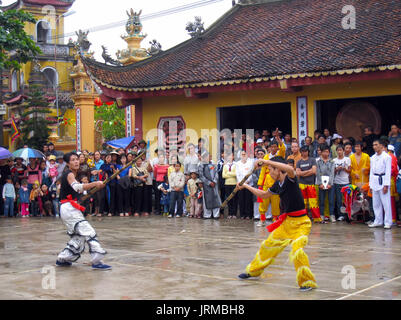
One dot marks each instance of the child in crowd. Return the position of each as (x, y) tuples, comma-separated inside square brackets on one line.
[(8, 197), (24, 199), (199, 197), (187, 201), (34, 199), (52, 168), (165, 197), (55, 196), (192, 188), (46, 199)]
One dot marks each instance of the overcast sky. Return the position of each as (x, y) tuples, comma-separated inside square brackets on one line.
[(168, 30)]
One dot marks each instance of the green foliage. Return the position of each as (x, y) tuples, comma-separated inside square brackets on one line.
[(111, 120), (34, 119), (14, 40)]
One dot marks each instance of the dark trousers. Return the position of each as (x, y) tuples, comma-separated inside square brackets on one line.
[(245, 203), (147, 198), (113, 205), (157, 193), (34, 208), (100, 200), (176, 197), (138, 199), (233, 203), (123, 199)]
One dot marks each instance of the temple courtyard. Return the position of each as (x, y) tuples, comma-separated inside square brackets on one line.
[(159, 258)]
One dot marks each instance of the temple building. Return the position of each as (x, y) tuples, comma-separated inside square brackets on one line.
[(298, 65), (51, 70)]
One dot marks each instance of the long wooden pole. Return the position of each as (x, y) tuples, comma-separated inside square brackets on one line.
[(224, 204), (114, 175)]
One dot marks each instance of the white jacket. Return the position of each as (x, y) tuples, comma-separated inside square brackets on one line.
[(380, 165), (242, 169)]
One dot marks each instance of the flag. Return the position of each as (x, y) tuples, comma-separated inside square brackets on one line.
[(14, 130)]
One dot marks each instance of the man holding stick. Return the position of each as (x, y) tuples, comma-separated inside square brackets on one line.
[(78, 228), (292, 227)]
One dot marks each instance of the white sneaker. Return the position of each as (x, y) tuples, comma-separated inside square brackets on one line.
[(387, 226), (341, 218), (260, 224), (374, 225), (333, 219)]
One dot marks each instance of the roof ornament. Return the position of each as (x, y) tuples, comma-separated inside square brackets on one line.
[(195, 28), (82, 42), (108, 59), (133, 25), (155, 47)]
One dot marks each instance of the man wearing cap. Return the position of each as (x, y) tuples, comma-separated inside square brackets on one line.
[(394, 174), (379, 183), (336, 142)]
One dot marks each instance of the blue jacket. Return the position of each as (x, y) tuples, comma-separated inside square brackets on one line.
[(23, 195)]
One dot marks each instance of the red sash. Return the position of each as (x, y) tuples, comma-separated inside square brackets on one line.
[(73, 202), (283, 216)]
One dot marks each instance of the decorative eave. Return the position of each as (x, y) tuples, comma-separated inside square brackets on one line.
[(277, 78)]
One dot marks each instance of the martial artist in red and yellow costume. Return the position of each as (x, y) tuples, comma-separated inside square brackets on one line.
[(277, 148), (292, 227), (394, 174)]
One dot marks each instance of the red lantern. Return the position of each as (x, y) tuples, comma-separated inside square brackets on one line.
[(98, 102), (110, 103)]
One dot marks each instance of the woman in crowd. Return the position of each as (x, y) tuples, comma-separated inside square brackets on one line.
[(147, 187), (159, 171), (107, 171), (84, 168), (33, 173), (139, 175), (123, 188)]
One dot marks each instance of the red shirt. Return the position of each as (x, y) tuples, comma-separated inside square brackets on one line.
[(159, 171)]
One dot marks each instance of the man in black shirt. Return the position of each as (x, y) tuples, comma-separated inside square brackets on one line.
[(368, 141), (292, 227), (78, 228)]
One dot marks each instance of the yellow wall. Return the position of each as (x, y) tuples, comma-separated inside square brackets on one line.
[(201, 113)]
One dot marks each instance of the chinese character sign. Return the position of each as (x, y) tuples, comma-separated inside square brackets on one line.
[(78, 125), (302, 118), (128, 121)]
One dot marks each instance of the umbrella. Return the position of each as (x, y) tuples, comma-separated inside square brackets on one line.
[(5, 154), (124, 143), (26, 153)]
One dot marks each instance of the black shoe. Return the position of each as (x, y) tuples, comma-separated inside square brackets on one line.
[(304, 289), (244, 276), (63, 264)]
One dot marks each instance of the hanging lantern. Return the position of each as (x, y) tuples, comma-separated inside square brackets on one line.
[(98, 102)]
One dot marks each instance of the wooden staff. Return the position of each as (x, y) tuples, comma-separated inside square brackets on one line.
[(224, 204), (114, 175)]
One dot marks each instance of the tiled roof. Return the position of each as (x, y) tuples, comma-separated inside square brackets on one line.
[(290, 38)]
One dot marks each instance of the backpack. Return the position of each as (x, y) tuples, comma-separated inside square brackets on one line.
[(398, 182)]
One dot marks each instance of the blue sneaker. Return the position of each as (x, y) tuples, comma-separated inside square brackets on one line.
[(304, 289), (244, 276), (63, 264), (101, 266)]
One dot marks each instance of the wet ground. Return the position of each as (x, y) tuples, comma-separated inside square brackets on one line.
[(160, 258)]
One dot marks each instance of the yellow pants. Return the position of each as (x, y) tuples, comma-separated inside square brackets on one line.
[(274, 201), (294, 231)]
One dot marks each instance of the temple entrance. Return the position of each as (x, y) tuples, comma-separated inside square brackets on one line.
[(348, 117), (257, 117)]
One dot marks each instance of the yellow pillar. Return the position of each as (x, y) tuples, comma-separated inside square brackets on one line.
[(83, 97)]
